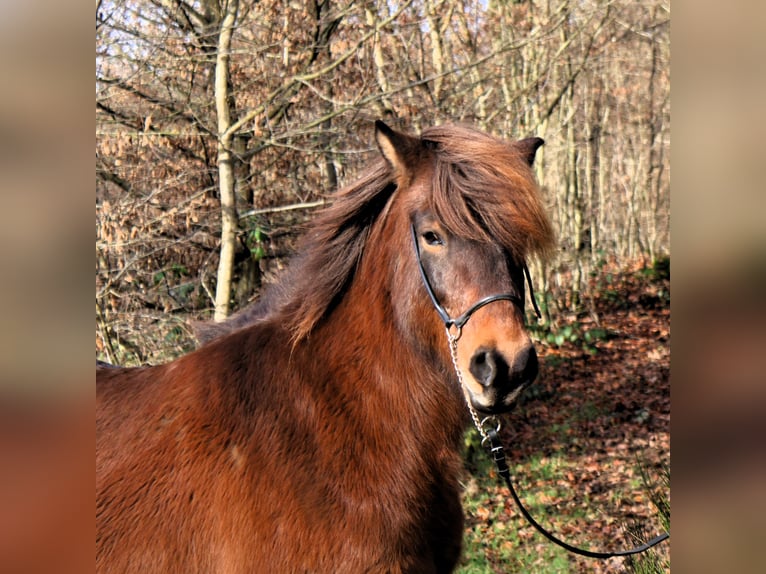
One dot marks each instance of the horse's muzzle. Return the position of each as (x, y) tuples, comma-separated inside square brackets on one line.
[(501, 382)]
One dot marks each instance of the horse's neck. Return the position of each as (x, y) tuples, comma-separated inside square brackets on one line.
[(373, 361)]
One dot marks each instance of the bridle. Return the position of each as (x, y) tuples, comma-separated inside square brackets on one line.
[(488, 427), (461, 320)]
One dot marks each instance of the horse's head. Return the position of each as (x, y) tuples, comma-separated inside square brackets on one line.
[(471, 213)]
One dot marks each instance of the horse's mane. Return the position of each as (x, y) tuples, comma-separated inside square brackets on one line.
[(483, 190)]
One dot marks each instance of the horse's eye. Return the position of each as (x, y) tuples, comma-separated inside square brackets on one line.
[(432, 238)]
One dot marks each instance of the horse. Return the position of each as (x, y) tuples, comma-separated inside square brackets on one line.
[(321, 431)]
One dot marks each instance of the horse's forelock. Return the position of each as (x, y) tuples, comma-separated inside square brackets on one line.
[(484, 189)]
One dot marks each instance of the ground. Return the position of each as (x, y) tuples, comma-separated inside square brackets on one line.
[(580, 437)]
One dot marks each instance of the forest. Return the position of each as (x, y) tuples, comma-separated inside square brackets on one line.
[(221, 127)]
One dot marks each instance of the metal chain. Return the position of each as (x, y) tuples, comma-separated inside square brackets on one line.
[(491, 421)]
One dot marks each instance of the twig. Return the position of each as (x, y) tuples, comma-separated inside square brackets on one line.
[(280, 208)]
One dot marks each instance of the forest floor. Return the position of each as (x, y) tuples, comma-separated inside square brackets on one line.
[(580, 439)]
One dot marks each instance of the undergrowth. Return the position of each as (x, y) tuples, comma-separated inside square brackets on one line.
[(588, 444)]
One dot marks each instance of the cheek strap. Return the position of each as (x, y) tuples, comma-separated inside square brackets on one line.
[(462, 319)]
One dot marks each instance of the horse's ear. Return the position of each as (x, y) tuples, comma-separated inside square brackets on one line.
[(528, 148), (400, 150)]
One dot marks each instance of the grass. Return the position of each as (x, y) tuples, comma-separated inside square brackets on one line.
[(493, 543), (497, 538), (651, 562)]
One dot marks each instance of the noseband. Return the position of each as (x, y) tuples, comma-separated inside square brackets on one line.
[(461, 320), (488, 428)]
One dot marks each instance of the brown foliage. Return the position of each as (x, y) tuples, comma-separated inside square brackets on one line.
[(306, 82)]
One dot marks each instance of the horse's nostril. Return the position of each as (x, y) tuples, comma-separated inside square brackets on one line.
[(532, 367), (487, 366)]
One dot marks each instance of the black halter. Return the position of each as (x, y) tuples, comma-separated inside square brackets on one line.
[(461, 320)]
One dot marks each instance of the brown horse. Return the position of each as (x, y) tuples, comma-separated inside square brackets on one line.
[(321, 432)]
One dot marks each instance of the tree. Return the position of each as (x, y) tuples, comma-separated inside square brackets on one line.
[(223, 106), (221, 125)]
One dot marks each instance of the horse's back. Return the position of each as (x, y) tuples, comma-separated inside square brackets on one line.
[(123, 456), (150, 504), (178, 465), (128, 400)]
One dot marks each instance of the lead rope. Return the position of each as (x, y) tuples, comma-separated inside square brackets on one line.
[(488, 429)]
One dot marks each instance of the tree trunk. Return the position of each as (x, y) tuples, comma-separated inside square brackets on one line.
[(226, 177), (437, 56), (383, 105)]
